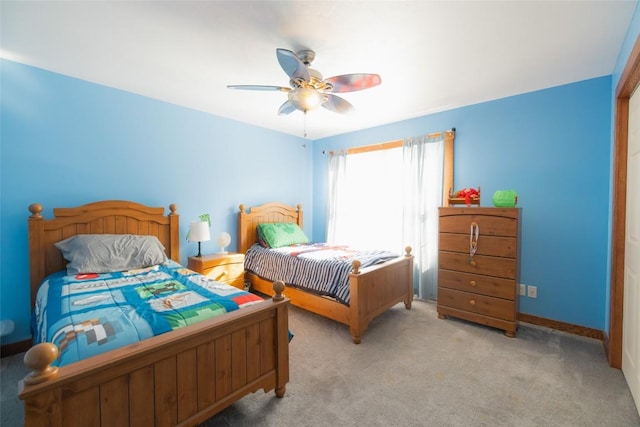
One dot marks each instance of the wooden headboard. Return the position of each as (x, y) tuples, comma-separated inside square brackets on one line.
[(104, 217), (267, 213)]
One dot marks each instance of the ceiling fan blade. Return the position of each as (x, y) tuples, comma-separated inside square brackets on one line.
[(292, 65), (286, 108), (353, 82), (337, 104), (259, 87)]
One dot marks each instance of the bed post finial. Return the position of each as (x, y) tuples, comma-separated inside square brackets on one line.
[(278, 288), (242, 207), (39, 358), (173, 208), (356, 266), (407, 251), (35, 209)]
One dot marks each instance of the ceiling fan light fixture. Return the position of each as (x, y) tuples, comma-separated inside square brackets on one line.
[(306, 99), (309, 90)]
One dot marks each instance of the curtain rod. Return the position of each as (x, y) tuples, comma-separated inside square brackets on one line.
[(386, 145)]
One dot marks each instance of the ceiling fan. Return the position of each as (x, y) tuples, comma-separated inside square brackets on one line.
[(308, 89)]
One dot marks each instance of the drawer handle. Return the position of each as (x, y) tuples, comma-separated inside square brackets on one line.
[(472, 302), (472, 261), (218, 275), (472, 282)]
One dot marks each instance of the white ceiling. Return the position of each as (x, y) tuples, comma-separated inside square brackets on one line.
[(431, 55)]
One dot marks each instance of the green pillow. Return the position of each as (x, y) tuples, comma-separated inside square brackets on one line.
[(280, 234)]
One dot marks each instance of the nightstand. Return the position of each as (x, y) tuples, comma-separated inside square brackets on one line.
[(227, 268)]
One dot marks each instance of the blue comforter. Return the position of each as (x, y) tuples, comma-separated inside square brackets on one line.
[(88, 314)]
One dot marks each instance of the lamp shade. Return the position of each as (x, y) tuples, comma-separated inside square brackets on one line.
[(199, 231)]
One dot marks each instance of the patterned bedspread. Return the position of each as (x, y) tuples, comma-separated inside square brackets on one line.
[(88, 314), (319, 267)]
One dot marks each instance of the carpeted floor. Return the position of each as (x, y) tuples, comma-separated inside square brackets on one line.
[(413, 369)]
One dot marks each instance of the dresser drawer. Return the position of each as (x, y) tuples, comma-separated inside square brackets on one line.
[(484, 285), (480, 304), (229, 273), (485, 265), (506, 247), (490, 221)]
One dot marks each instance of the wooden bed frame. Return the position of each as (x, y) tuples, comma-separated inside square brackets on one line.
[(182, 377), (373, 289)]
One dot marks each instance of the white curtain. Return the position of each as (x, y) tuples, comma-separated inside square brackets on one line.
[(423, 163), (360, 183), (337, 174)]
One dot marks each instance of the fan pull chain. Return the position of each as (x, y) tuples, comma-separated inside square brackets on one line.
[(305, 123)]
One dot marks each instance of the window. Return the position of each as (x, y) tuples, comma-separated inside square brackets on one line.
[(370, 200), (387, 196)]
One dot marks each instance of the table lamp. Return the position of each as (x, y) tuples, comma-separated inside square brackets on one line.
[(199, 232)]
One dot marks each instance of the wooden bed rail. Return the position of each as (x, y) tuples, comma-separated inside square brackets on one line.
[(182, 377), (40, 357)]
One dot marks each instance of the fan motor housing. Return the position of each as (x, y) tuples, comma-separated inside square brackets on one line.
[(306, 56)]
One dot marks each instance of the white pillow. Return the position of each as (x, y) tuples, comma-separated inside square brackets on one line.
[(106, 253)]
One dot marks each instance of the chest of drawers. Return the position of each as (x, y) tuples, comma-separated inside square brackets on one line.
[(478, 266)]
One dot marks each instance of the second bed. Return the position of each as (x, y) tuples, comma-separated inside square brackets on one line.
[(372, 290)]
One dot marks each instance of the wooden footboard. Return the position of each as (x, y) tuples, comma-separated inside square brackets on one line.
[(376, 289), (181, 378), (373, 290)]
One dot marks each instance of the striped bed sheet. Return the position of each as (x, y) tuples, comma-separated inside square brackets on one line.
[(319, 268)]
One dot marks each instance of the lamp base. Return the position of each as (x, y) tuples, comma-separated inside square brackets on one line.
[(199, 253)]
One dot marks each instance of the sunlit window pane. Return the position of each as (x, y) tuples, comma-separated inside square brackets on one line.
[(370, 214)]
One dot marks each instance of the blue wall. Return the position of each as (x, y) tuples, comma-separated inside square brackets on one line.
[(67, 142), (553, 148)]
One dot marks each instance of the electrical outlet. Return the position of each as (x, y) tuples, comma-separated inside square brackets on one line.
[(523, 289), (532, 291)]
